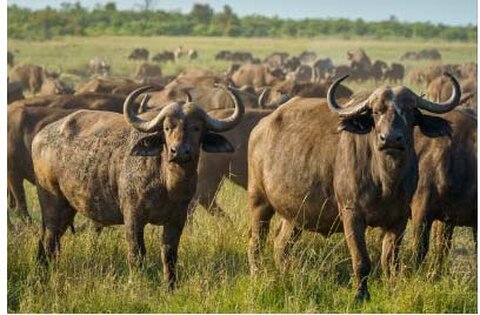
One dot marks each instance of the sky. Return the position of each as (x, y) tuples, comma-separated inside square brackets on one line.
[(449, 12)]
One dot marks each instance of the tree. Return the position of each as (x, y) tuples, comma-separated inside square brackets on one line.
[(202, 13)]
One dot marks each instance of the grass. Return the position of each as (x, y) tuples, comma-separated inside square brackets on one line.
[(91, 274)]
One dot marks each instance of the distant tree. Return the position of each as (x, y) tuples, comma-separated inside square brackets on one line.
[(201, 13)]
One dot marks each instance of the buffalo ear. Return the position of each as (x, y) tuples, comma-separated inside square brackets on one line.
[(360, 125), (433, 126), (215, 143), (150, 145)]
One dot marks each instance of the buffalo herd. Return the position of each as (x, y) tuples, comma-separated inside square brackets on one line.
[(147, 149)]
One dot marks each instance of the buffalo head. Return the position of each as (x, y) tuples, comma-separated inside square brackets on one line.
[(181, 128), (392, 112)]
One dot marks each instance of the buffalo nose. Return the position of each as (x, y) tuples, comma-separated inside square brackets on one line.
[(393, 138)]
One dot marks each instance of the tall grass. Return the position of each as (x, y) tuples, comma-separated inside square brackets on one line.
[(91, 274)]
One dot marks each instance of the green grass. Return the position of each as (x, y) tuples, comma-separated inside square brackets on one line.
[(91, 274)]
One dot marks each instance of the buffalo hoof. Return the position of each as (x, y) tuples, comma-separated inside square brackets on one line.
[(362, 296)]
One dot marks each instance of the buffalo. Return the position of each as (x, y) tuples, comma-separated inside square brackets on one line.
[(352, 166), (148, 73), (25, 119), (394, 73), (447, 188), (32, 77), (164, 57), (139, 54), (257, 75), (140, 170), (99, 66)]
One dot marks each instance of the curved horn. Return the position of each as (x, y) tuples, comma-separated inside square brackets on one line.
[(451, 103), (261, 98), (225, 124), (348, 110), (134, 120)]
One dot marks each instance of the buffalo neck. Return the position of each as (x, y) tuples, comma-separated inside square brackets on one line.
[(180, 179)]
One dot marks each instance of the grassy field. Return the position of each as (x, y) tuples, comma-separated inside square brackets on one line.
[(91, 274)]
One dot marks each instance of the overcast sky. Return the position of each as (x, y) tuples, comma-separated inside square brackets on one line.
[(451, 12)]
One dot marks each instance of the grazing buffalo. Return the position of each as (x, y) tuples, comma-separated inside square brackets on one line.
[(31, 77), (164, 56), (131, 170), (352, 166), (147, 73), (447, 187), (139, 54), (99, 85), (394, 73), (307, 57), (304, 73), (25, 119), (323, 69), (378, 70), (257, 75)]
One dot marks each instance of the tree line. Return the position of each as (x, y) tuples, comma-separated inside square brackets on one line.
[(202, 20)]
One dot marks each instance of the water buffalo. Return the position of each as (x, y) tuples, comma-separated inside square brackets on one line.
[(394, 73), (447, 188), (140, 170), (352, 166), (164, 57), (32, 77), (256, 75), (378, 70), (25, 119), (147, 73), (139, 54)]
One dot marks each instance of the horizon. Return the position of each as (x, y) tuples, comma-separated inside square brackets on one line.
[(444, 12)]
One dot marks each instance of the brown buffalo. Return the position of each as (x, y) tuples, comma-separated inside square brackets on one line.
[(140, 170), (31, 77), (25, 119), (256, 75), (149, 73), (447, 188), (360, 64), (394, 73), (378, 70), (352, 166), (105, 86)]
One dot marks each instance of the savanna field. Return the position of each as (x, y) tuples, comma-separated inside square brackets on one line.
[(91, 274)]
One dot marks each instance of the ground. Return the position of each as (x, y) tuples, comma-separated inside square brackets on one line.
[(92, 274)]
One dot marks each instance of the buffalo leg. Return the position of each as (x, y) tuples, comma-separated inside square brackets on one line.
[(443, 235), (17, 191), (170, 240), (135, 240), (261, 214), (354, 227), (391, 248), (57, 216), (286, 238), (421, 225)]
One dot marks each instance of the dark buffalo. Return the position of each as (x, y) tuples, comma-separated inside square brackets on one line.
[(394, 73), (352, 166), (164, 57), (139, 54), (447, 188), (140, 170)]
